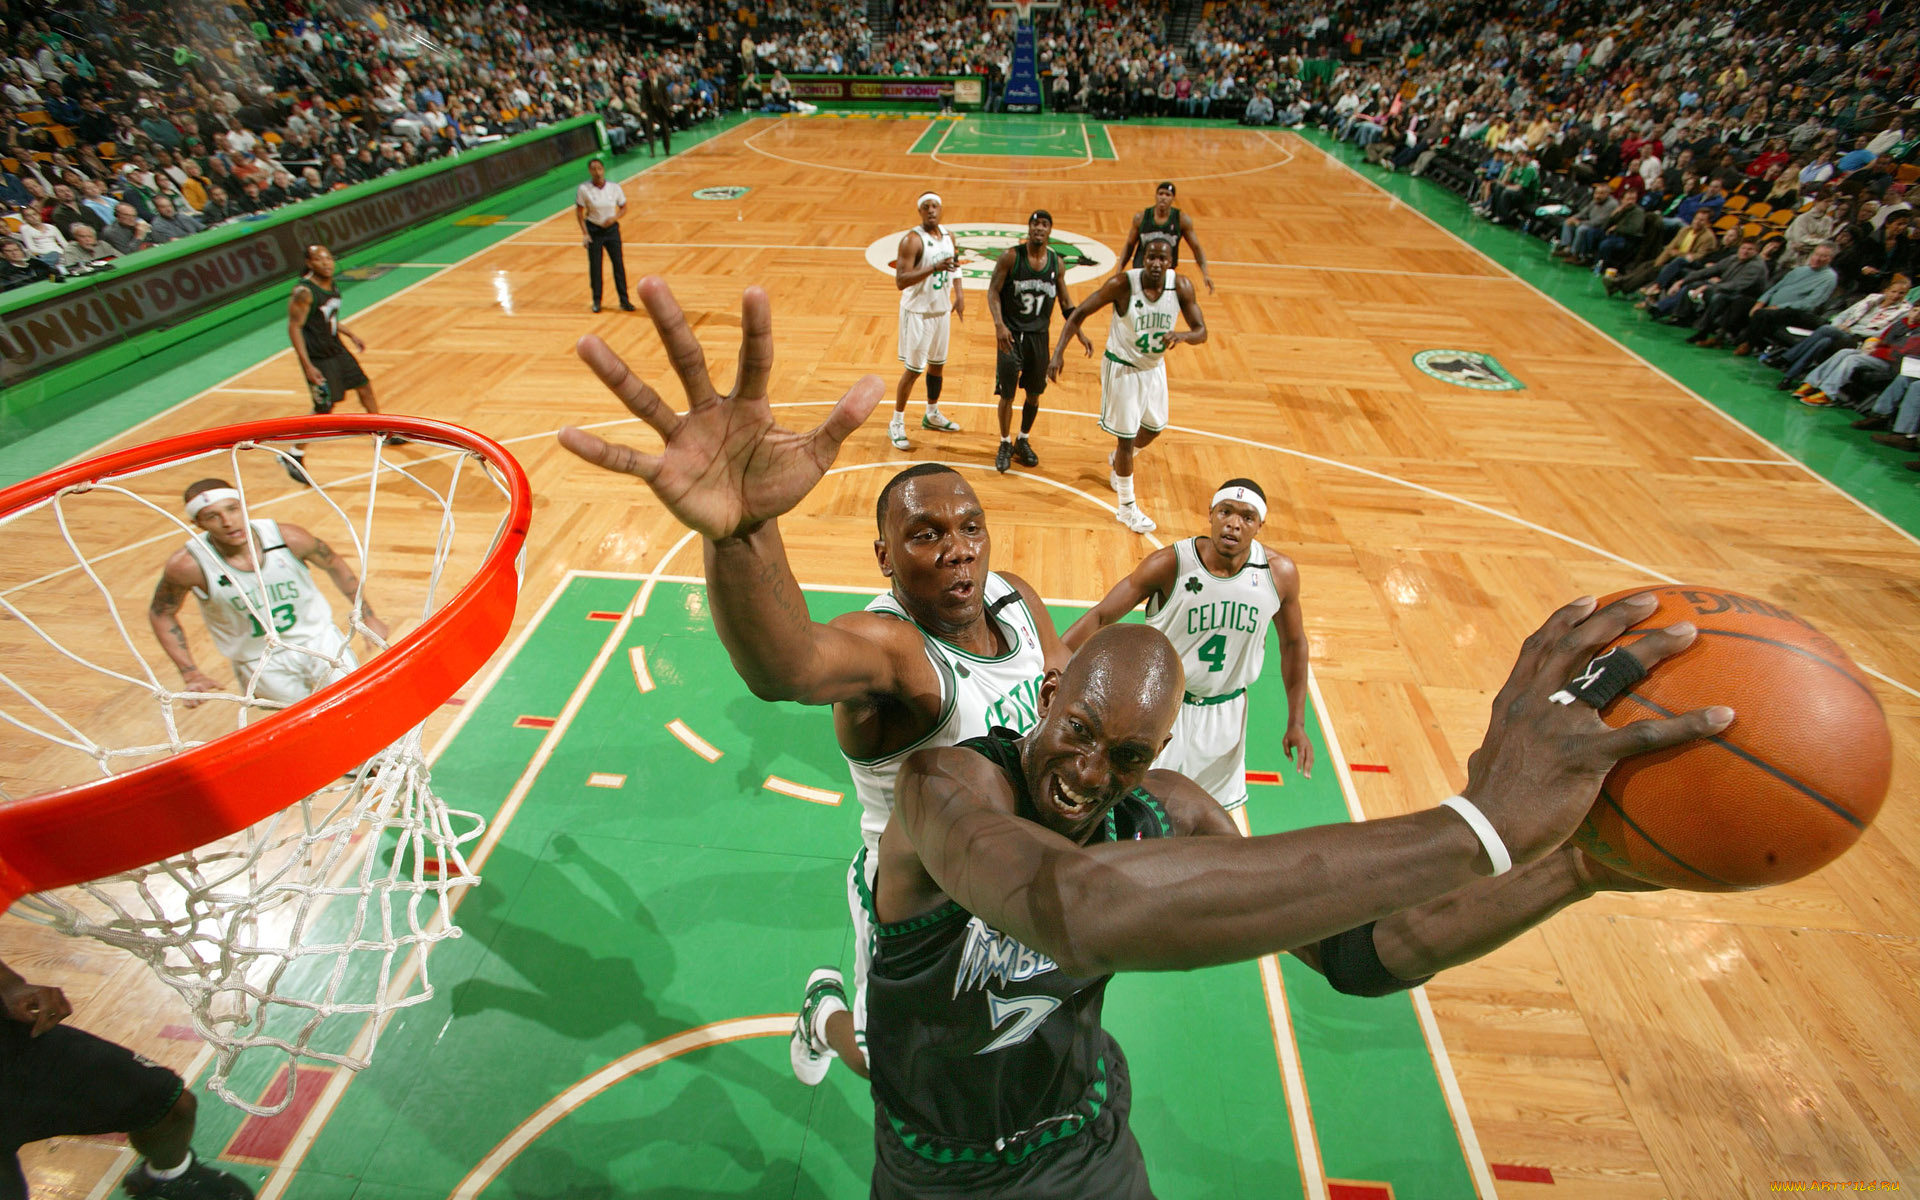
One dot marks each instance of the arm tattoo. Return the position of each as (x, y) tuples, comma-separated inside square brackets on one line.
[(168, 596)]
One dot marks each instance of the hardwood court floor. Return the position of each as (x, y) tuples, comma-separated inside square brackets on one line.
[(1640, 1046)]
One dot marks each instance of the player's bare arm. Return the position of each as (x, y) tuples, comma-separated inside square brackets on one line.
[(1066, 306), (1127, 251), (297, 308), (181, 576), (1154, 576), (1291, 625), (1108, 293), (727, 472), (1169, 904), (1002, 336), (1196, 330), (316, 553), (1199, 255)]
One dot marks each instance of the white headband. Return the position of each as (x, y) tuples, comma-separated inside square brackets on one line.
[(926, 196), (1240, 495), (210, 496)]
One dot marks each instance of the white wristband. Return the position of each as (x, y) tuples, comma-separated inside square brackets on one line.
[(1484, 830)]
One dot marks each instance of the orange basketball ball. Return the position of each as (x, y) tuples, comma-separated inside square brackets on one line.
[(1783, 791)]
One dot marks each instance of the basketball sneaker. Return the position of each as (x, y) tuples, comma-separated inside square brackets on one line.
[(826, 994), (1003, 457), (296, 466), (897, 433), (197, 1182), (1024, 455), (1131, 516), (938, 421)]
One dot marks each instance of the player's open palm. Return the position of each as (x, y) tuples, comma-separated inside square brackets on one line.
[(726, 466), (1540, 768)]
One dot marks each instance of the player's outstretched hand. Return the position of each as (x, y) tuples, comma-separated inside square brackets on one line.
[(35, 1005), (726, 467), (1540, 768)]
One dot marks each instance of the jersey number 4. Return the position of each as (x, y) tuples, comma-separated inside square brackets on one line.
[(283, 619), (1027, 1013), (1213, 652)]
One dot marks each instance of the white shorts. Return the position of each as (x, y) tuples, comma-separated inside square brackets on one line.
[(1209, 746), (1132, 398), (298, 669), (923, 339), (863, 936)]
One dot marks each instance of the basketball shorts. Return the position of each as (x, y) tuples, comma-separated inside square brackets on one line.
[(1209, 746), (1101, 1162), (343, 374), (1025, 367), (866, 863), (67, 1082), (1132, 398), (923, 340), (299, 668)]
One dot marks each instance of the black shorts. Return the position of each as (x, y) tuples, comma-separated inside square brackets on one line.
[(1025, 366), (68, 1082), (342, 373), (1101, 1162)]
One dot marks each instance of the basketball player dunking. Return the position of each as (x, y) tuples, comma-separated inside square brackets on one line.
[(1133, 375), (1026, 281), (950, 651), (1213, 598), (1163, 223), (926, 269)]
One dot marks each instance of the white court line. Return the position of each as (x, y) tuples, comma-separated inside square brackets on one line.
[(800, 791), (642, 678), (1286, 156), (693, 741), (1709, 405), (255, 391), (1274, 266), (791, 246), (1756, 462), (1293, 1079), (1436, 1045)]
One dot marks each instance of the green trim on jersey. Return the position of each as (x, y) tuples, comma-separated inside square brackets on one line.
[(1013, 646), (949, 696), (924, 1145)]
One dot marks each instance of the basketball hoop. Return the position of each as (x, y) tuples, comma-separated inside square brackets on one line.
[(214, 855), (1023, 9)]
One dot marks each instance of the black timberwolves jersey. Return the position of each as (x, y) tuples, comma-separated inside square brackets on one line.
[(983, 1050), (1152, 231), (322, 327), (1026, 299)]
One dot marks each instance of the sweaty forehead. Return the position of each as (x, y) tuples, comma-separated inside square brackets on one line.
[(935, 497)]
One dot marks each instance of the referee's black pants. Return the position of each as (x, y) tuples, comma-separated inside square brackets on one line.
[(605, 239)]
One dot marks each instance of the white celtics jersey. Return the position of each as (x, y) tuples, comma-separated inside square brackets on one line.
[(1218, 626), (1138, 335), (282, 593), (934, 294), (976, 694)]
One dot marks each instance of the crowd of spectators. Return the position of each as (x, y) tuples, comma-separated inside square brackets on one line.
[(130, 123)]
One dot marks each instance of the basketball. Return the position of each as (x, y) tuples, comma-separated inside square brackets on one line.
[(1782, 792)]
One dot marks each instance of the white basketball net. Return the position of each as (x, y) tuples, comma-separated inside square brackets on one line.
[(296, 937)]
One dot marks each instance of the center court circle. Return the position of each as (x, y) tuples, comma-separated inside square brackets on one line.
[(981, 243)]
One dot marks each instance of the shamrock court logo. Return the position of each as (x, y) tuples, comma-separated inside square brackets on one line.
[(981, 243), (1467, 369)]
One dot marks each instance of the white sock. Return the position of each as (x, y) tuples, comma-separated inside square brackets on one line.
[(171, 1172), (828, 1007), (899, 420), (1125, 489), (1007, 441)]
